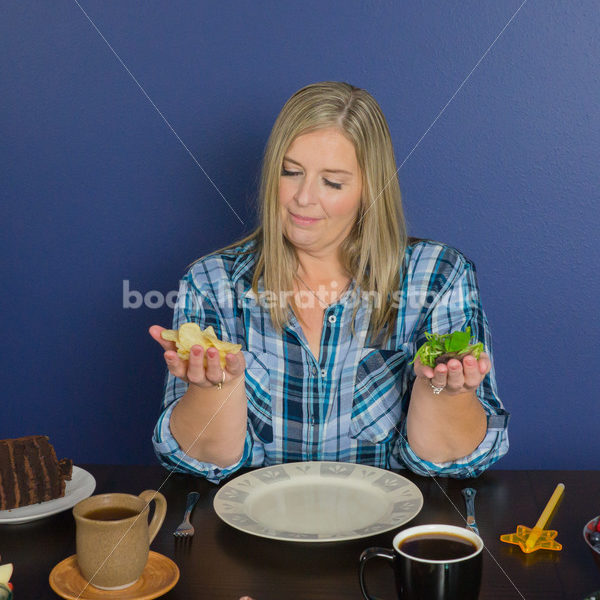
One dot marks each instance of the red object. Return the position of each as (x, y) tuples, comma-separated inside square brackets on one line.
[(594, 525)]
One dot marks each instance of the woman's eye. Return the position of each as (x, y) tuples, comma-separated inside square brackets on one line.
[(286, 173), (337, 186)]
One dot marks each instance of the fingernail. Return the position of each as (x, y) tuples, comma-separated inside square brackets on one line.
[(196, 351)]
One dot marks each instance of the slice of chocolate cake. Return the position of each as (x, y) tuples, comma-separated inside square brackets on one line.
[(30, 472)]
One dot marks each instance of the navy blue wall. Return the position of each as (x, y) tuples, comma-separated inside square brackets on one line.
[(97, 189)]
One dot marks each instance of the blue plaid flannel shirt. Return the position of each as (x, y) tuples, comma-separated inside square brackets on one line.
[(351, 404)]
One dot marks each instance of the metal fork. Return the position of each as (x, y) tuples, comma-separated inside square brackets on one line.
[(185, 528)]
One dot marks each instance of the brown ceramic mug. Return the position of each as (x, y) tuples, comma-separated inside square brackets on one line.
[(113, 536)]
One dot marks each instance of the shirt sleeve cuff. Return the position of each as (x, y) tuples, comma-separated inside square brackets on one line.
[(172, 457)]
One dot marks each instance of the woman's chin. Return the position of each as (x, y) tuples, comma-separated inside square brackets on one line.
[(303, 240)]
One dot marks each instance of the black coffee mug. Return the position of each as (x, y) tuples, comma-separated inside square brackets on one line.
[(422, 573)]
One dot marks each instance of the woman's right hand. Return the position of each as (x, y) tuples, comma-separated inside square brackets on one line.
[(193, 370)]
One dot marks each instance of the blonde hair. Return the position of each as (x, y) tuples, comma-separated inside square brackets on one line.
[(373, 252)]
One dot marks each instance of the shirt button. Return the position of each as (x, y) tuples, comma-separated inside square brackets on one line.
[(314, 370), (332, 319), (323, 372), (312, 420)]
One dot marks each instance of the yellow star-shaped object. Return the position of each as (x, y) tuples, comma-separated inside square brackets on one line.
[(544, 541), (530, 539)]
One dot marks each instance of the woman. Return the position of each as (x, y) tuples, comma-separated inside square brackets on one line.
[(330, 301)]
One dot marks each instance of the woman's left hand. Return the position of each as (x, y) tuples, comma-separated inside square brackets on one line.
[(456, 377)]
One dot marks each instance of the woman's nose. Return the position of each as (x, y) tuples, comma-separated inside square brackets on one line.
[(304, 194)]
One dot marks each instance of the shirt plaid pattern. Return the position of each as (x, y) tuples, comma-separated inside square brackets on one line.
[(351, 404)]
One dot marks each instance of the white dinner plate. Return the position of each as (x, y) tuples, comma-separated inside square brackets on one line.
[(318, 501), (81, 485)]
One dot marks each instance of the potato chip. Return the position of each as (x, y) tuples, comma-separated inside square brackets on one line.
[(226, 347), (210, 332), (190, 334), (170, 335)]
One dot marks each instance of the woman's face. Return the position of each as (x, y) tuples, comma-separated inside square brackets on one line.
[(319, 190)]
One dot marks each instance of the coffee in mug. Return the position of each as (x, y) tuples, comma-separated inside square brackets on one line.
[(113, 536), (436, 545), (431, 562)]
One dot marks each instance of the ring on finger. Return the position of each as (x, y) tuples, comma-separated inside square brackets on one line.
[(220, 384), (437, 389)]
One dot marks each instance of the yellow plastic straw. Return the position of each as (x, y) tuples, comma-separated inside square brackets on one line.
[(543, 520)]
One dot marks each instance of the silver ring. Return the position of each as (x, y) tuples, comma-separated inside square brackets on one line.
[(220, 384), (436, 388)]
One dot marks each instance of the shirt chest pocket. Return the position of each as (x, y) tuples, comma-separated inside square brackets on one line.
[(379, 397), (258, 393)]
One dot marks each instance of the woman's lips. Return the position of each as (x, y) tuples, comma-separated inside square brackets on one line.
[(299, 220)]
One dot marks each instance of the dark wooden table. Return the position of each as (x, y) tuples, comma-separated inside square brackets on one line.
[(223, 563)]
